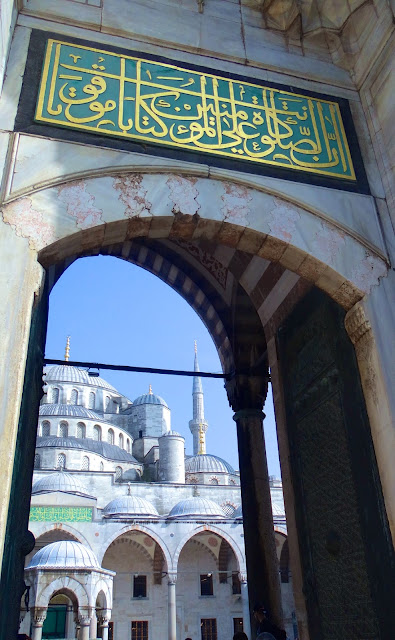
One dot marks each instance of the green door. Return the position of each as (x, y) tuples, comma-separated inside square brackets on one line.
[(55, 622)]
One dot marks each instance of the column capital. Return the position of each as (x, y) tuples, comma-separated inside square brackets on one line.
[(38, 616), (172, 577), (356, 323), (85, 615), (248, 413), (243, 577), (247, 391)]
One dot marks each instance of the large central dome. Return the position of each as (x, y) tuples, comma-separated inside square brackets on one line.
[(207, 463), (66, 373)]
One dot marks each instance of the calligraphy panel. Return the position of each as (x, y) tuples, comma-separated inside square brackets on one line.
[(133, 98), (61, 514)]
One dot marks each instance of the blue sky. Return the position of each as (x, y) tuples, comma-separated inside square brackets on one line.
[(117, 313)]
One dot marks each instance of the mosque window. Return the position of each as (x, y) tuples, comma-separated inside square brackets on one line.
[(61, 461), (97, 432), (192, 480), (236, 586), (140, 433), (232, 481), (55, 395), (128, 445), (74, 397), (110, 436), (118, 473), (213, 481), (37, 461), (140, 630), (206, 584), (45, 429), (107, 403), (101, 466), (81, 430), (85, 464), (121, 440), (209, 628), (63, 430), (228, 509), (238, 625), (139, 586), (92, 400)]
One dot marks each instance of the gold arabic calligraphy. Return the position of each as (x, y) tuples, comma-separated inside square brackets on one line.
[(128, 97)]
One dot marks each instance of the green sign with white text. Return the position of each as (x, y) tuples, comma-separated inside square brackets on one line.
[(61, 514)]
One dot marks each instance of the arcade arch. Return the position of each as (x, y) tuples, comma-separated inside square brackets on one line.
[(243, 257)]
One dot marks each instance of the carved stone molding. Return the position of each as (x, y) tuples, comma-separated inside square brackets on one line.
[(172, 577), (38, 616), (356, 323)]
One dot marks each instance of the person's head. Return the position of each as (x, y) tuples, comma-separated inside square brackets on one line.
[(240, 635), (259, 612)]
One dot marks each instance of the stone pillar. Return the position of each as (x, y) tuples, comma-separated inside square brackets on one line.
[(247, 395), (245, 604), (93, 626), (84, 619), (103, 624), (38, 616), (172, 613)]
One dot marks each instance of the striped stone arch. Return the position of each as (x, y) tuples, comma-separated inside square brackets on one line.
[(209, 528), (143, 529), (74, 533), (63, 583)]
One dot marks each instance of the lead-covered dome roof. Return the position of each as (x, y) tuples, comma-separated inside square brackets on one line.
[(104, 449), (69, 411), (66, 373), (130, 506), (59, 481), (207, 463), (196, 507), (149, 398), (64, 554)]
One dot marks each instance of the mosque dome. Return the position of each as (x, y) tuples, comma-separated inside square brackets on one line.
[(69, 411), (104, 449), (196, 508), (59, 481), (277, 510), (208, 464), (131, 507), (64, 554), (66, 373), (172, 433), (238, 514), (149, 398)]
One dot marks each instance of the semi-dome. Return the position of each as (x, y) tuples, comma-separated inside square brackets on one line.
[(149, 398), (196, 508), (130, 507), (104, 449), (69, 411), (208, 464), (59, 481), (64, 554), (238, 513), (66, 373)]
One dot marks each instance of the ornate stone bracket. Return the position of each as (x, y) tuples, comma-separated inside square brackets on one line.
[(356, 323), (38, 616)]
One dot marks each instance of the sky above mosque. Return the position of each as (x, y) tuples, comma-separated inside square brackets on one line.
[(118, 313)]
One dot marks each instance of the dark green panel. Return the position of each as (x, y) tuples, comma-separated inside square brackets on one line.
[(346, 551)]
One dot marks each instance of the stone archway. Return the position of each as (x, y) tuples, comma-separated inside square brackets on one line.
[(242, 256)]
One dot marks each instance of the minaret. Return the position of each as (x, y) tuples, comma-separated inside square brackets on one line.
[(198, 424)]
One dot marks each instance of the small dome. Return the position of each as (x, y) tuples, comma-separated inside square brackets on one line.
[(208, 464), (172, 433), (149, 398), (59, 481), (196, 508), (69, 411), (130, 507), (64, 554), (238, 514)]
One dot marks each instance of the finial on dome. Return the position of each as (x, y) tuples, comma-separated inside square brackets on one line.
[(67, 350), (150, 390), (195, 346)]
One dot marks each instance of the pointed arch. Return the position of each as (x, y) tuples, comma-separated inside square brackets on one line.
[(204, 528), (143, 529)]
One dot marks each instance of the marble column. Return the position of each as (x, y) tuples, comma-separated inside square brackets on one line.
[(103, 624), (38, 616), (245, 605), (84, 620), (172, 613)]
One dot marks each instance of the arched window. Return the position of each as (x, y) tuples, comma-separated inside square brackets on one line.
[(121, 440), (107, 402), (118, 473), (37, 461), (228, 509), (61, 461), (213, 481), (92, 400), (192, 480), (74, 397), (101, 466), (97, 432), (63, 430), (45, 429), (81, 430), (128, 445), (55, 395), (85, 463), (110, 436), (232, 482)]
